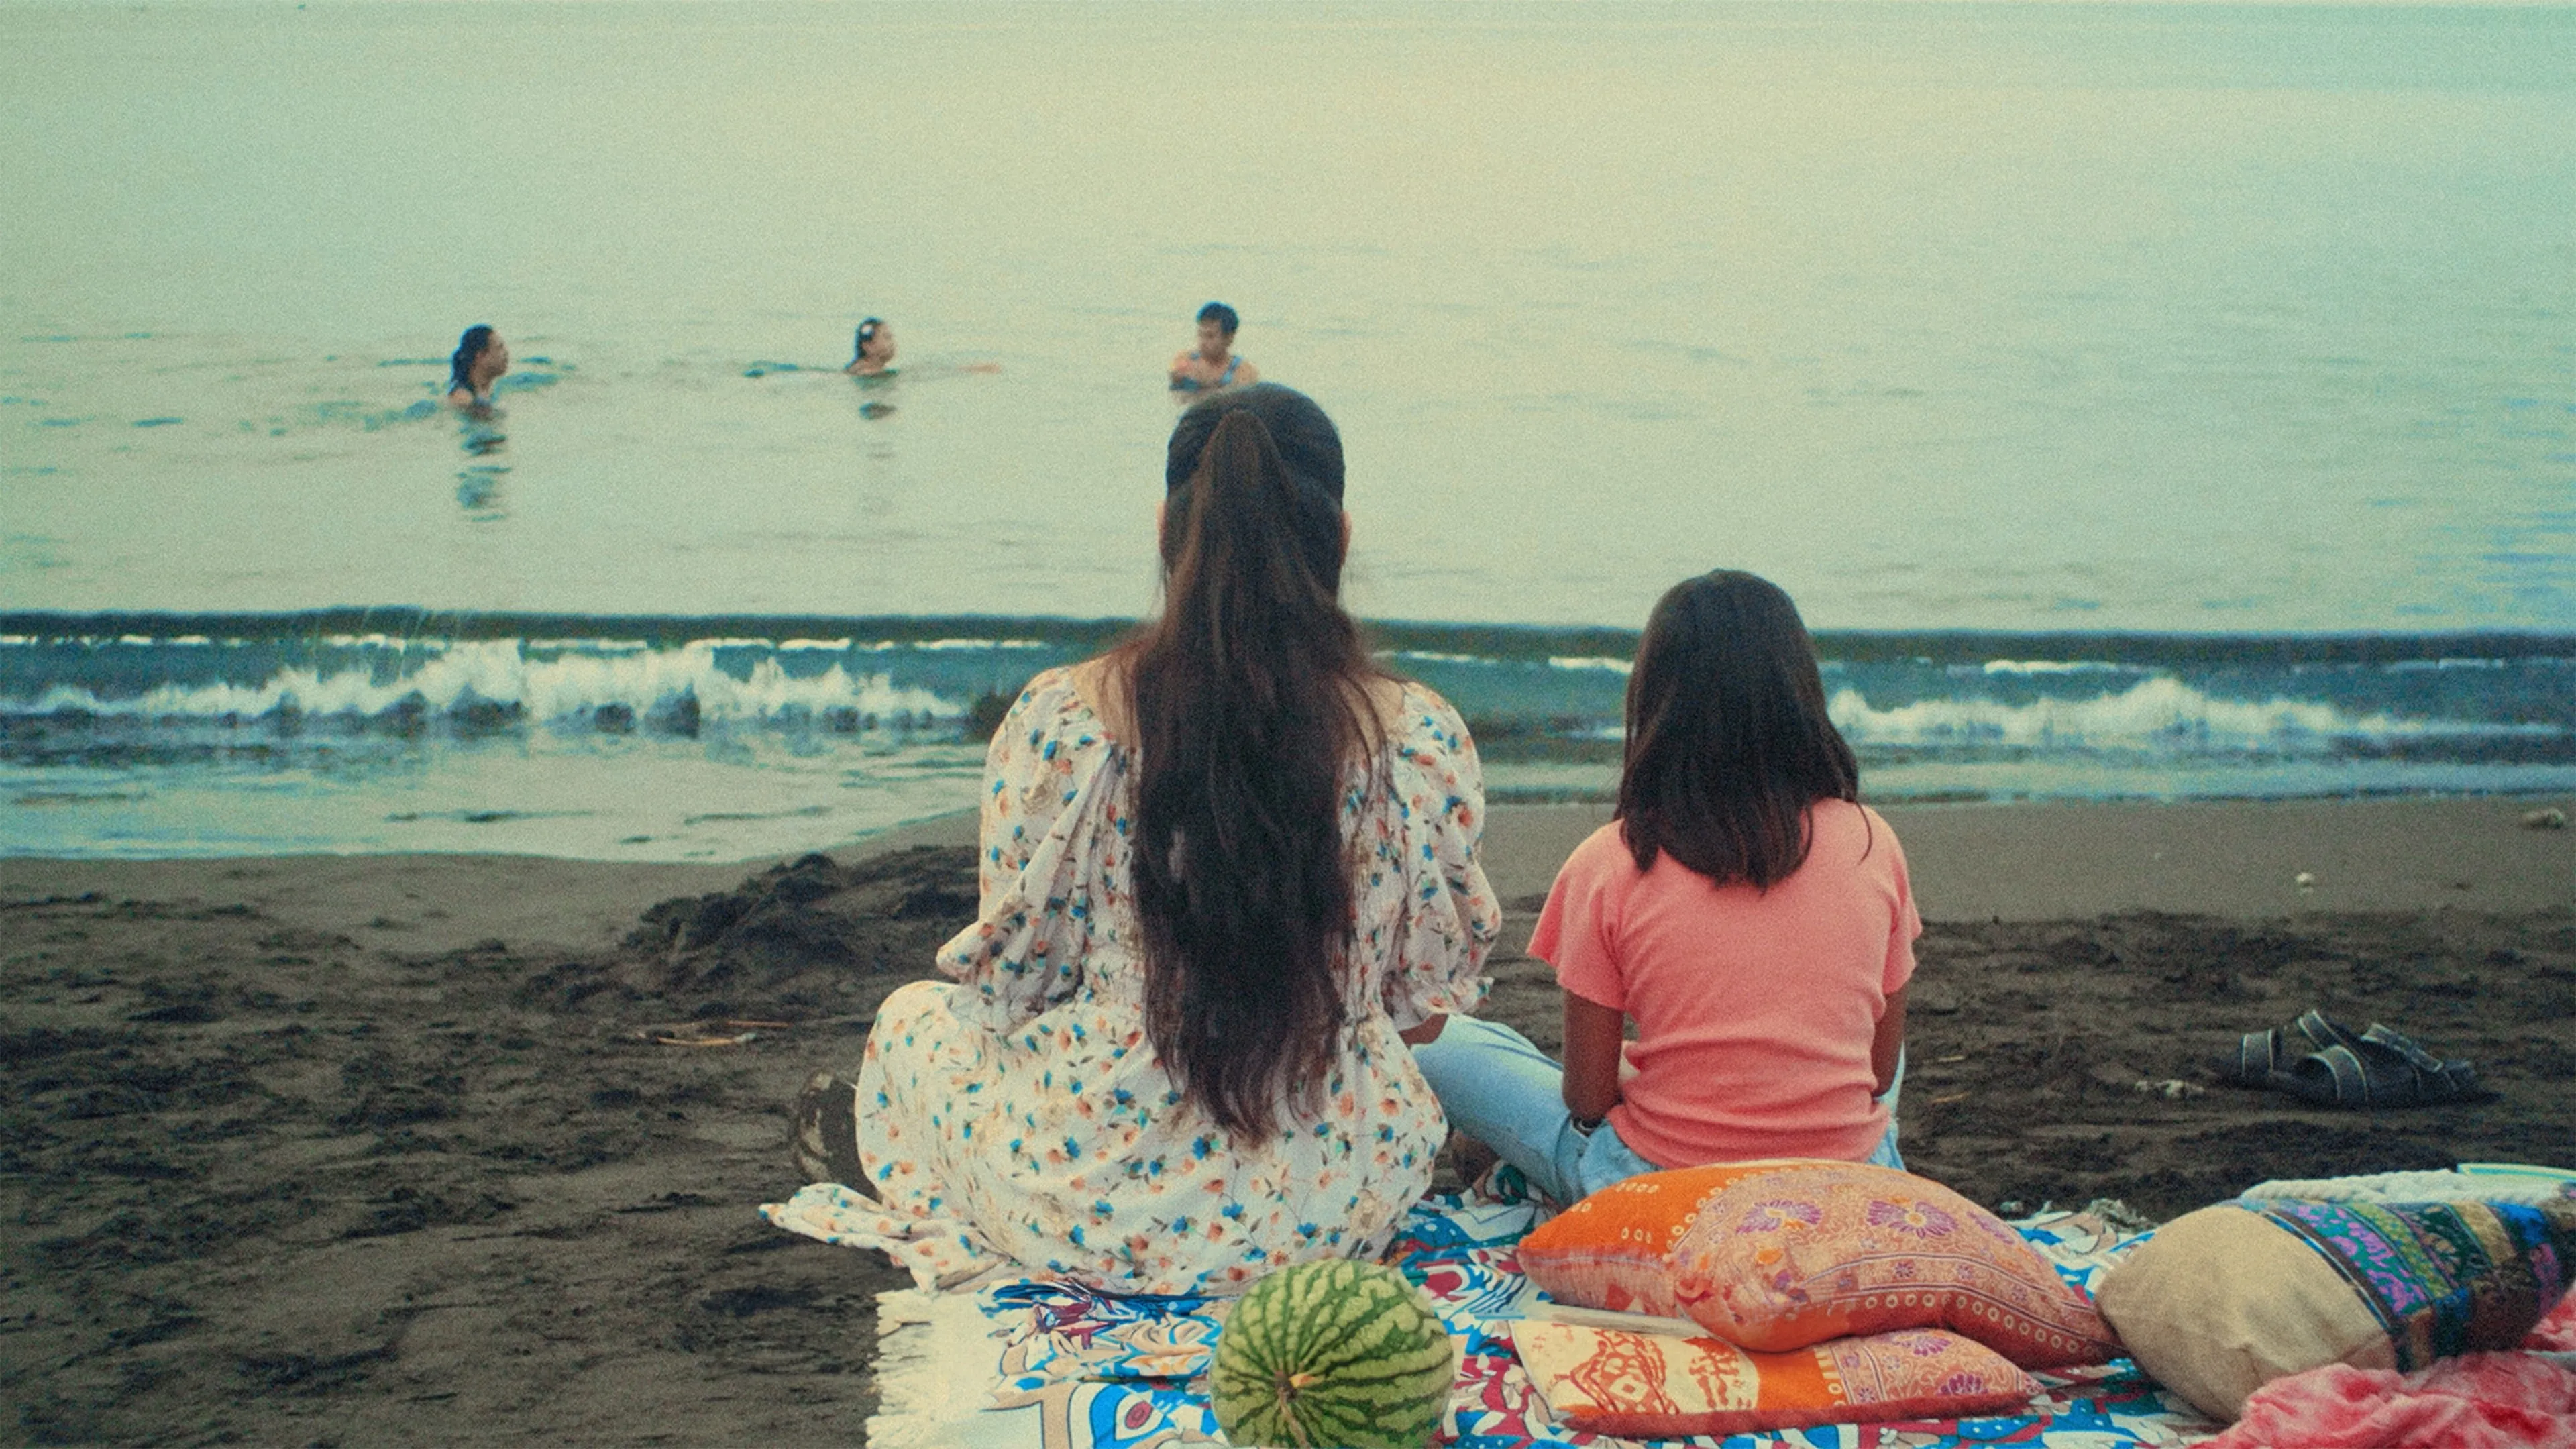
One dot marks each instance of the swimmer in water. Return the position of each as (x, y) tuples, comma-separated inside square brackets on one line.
[(872, 355), (481, 358), (1213, 364), (873, 352)]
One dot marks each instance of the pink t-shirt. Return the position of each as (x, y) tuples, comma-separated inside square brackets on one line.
[(1754, 1009)]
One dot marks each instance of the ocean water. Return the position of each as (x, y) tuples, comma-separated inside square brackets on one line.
[(2142, 400)]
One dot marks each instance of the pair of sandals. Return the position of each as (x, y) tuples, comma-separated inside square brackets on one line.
[(2317, 1059)]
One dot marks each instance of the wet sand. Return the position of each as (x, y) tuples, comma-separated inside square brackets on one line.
[(384, 1150)]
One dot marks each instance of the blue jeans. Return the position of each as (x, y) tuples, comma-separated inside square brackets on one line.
[(1498, 1088)]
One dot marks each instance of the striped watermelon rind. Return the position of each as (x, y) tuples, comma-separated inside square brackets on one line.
[(1332, 1355)]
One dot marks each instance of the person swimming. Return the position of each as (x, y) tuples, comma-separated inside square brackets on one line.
[(872, 352), (480, 359), (1213, 364), (872, 356)]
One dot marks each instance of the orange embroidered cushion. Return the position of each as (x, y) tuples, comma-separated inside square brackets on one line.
[(1773, 1256), (1655, 1386)]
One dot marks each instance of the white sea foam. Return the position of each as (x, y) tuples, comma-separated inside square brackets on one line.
[(1590, 661), (373, 641), (1433, 656), (2438, 666), (939, 646), (2052, 666), (502, 672), (613, 646), (2160, 714)]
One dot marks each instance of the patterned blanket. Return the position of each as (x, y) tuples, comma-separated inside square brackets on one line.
[(1093, 1371)]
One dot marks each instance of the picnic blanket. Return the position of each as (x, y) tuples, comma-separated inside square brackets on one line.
[(2514, 1182), (1070, 1368)]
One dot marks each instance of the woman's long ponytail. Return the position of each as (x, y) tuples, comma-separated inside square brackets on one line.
[(1251, 705)]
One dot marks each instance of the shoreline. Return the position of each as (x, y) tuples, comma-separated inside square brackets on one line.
[(2050, 860), (2043, 860), (683, 741)]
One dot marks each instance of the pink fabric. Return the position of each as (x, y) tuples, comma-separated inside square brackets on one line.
[(2557, 1330), (2475, 1401), (1754, 1009)]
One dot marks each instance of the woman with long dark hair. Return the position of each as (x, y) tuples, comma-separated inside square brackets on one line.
[(1744, 911), (480, 359), (1226, 867)]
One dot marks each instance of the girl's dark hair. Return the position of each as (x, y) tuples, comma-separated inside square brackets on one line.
[(1251, 701), (1728, 742), (859, 342), (460, 367)]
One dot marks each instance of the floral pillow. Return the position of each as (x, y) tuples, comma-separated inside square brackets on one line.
[(1656, 1386), (1774, 1256)]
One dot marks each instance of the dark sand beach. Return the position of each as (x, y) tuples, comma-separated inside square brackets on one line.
[(397, 1150)]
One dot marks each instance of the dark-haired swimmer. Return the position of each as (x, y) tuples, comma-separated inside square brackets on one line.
[(872, 355), (480, 359), (1213, 364), (872, 352)]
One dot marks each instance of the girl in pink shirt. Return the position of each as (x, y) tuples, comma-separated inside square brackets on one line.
[(1744, 910)]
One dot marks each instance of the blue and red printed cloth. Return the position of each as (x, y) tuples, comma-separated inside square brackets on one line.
[(1112, 1372)]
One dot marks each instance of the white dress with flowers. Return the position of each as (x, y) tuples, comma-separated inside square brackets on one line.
[(1020, 1113)]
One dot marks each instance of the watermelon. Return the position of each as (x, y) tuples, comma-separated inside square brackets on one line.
[(1332, 1355)]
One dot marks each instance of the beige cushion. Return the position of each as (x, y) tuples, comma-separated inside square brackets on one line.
[(2222, 1301)]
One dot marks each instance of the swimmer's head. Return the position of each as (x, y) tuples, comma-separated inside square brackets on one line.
[(874, 342), (1222, 316), (470, 350)]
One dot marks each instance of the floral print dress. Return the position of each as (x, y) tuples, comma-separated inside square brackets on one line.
[(1021, 1113)]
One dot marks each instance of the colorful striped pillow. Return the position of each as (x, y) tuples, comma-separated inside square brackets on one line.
[(2224, 1300)]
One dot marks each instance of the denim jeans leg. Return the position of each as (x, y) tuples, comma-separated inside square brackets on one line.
[(1885, 1154), (1608, 1159), (1498, 1088)]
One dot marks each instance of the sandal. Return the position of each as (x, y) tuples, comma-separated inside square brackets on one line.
[(2438, 1080), (827, 1132), (2379, 1068), (2339, 1076), (2263, 1055)]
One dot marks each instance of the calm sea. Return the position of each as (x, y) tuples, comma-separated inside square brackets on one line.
[(2143, 401)]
